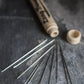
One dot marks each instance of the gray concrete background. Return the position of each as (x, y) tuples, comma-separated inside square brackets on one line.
[(20, 31)]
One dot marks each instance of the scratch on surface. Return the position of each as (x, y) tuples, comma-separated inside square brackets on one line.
[(16, 17)]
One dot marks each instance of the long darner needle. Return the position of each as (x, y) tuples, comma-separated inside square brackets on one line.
[(33, 54), (65, 72), (65, 66), (56, 61), (51, 67), (33, 73), (24, 56), (44, 69), (35, 62)]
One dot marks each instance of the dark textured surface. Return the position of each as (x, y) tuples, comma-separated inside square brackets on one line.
[(20, 31)]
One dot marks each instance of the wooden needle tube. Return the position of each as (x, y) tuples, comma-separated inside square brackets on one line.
[(45, 17)]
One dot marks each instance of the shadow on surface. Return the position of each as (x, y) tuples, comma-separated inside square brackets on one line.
[(70, 5)]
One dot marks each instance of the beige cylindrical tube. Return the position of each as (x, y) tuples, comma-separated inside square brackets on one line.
[(45, 17), (74, 36)]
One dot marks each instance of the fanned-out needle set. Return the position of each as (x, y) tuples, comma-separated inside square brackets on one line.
[(47, 46)]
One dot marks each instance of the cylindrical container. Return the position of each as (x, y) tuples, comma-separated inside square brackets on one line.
[(45, 17)]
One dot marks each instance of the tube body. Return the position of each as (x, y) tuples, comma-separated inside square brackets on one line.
[(45, 17)]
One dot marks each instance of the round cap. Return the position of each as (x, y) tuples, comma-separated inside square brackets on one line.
[(74, 36)]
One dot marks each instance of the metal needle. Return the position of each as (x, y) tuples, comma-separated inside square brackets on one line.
[(33, 54), (65, 72), (33, 73), (24, 56), (67, 75), (44, 69), (35, 62), (51, 67), (56, 61)]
